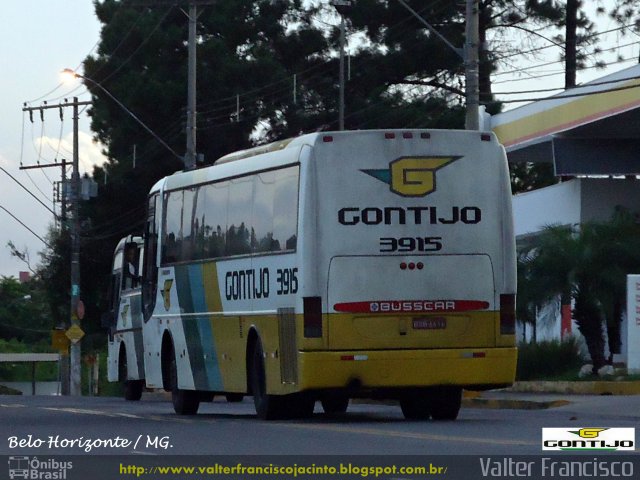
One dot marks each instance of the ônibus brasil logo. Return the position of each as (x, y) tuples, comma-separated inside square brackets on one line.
[(572, 439), (411, 176)]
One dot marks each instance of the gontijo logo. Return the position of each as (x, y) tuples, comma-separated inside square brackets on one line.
[(412, 176), (571, 439)]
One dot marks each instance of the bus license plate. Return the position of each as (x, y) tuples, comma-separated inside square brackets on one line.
[(433, 323)]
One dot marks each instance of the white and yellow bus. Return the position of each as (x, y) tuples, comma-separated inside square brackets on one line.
[(331, 266), (123, 319)]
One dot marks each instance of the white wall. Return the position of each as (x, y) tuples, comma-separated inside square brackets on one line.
[(557, 204)]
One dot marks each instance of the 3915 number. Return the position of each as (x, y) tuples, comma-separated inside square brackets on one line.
[(410, 244), (287, 280)]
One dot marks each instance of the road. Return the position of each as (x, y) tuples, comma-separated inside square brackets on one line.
[(232, 429)]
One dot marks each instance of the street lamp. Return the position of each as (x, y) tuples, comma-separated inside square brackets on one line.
[(71, 73)]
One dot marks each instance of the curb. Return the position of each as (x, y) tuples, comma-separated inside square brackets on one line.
[(579, 388), (472, 399), (495, 403)]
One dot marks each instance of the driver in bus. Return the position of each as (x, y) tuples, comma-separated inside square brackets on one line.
[(131, 277)]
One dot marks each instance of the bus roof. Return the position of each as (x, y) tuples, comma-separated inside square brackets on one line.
[(286, 151)]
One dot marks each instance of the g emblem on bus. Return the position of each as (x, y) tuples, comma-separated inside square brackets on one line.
[(166, 294), (412, 176)]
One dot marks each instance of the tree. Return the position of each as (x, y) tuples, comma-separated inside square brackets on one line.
[(24, 312)]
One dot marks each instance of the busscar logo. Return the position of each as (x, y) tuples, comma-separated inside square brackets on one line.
[(412, 176), (591, 438)]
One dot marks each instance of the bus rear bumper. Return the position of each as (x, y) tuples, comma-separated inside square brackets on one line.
[(471, 368)]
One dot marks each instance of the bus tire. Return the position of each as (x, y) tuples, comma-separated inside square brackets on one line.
[(132, 389), (416, 405), (335, 403), (300, 405), (268, 407), (445, 403), (185, 402), (234, 397)]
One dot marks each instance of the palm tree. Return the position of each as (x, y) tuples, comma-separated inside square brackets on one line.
[(588, 265)]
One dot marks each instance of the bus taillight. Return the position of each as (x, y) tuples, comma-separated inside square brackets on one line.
[(507, 314), (312, 317)]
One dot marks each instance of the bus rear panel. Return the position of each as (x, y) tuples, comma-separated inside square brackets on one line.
[(415, 255)]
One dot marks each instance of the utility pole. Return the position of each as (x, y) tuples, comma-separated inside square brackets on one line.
[(190, 155), (341, 100), (469, 56), (342, 6), (76, 360), (472, 120), (71, 364)]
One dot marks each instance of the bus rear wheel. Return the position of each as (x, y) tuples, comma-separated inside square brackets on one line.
[(335, 403), (185, 402), (416, 405), (234, 397), (445, 403)]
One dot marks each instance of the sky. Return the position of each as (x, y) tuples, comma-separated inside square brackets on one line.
[(39, 38)]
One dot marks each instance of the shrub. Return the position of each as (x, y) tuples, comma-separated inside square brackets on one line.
[(547, 359)]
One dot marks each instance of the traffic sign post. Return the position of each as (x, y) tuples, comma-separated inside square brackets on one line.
[(75, 333)]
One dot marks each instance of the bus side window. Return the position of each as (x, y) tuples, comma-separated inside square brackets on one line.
[(130, 268)]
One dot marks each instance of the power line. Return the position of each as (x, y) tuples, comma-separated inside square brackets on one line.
[(29, 192), (25, 226)]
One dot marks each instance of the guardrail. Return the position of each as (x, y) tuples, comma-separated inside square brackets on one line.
[(32, 358)]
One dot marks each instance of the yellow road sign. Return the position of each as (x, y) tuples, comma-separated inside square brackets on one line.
[(59, 341), (74, 333)]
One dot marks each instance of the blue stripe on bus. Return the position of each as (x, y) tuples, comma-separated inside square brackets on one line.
[(212, 368), (190, 328)]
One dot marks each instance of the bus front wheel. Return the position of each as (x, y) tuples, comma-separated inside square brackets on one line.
[(185, 402), (132, 388)]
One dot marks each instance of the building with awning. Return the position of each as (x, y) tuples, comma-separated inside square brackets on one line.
[(590, 132), (591, 135)]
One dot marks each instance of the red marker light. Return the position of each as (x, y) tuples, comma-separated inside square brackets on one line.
[(412, 266), (403, 266), (407, 135), (420, 265), (389, 135), (327, 138), (425, 135)]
